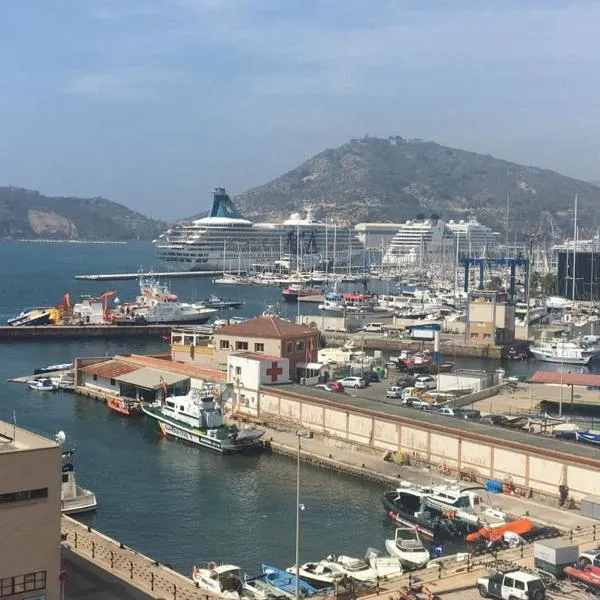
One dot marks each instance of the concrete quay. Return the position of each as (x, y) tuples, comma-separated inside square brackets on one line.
[(52, 332), (154, 579), (129, 276)]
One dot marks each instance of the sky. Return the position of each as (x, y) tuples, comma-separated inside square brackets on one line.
[(153, 103)]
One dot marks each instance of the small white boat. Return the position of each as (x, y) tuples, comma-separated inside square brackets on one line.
[(356, 568), (42, 385), (320, 574), (408, 548), (224, 581), (74, 499), (386, 567)]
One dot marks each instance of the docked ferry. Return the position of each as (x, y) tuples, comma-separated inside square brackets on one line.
[(197, 419), (225, 241)]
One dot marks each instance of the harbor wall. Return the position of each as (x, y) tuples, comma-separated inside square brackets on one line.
[(84, 331), (531, 470)]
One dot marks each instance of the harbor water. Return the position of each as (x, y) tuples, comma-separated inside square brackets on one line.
[(178, 504)]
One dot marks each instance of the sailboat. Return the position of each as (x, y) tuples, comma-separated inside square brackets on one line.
[(229, 278)]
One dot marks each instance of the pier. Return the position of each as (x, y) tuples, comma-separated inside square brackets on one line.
[(128, 276), (52, 332)]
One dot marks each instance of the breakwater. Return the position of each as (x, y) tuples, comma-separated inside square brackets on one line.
[(51, 332)]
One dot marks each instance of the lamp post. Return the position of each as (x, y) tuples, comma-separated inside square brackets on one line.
[(300, 433)]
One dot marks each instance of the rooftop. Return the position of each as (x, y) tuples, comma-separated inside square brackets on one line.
[(256, 356), (566, 378), (265, 327), (174, 367), (109, 368), (16, 439)]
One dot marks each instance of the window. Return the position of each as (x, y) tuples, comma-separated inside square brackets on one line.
[(299, 345), (519, 585), (290, 347), (95, 377), (22, 583), (113, 382), (238, 370), (241, 345), (65, 477), (224, 344), (23, 495), (509, 582), (259, 347)]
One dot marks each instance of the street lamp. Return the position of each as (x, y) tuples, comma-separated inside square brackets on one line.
[(300, 433)]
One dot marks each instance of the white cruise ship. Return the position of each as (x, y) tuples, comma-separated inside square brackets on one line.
[(225, 241)]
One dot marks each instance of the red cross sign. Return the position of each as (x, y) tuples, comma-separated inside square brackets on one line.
[(274, 371)]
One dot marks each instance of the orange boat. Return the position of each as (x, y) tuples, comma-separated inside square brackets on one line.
[(128, 408), (518, 526)]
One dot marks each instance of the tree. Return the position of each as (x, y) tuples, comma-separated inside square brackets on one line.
[(496, 283)]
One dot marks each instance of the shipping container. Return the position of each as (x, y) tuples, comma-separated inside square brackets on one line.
[(554, 555), (590, 507)]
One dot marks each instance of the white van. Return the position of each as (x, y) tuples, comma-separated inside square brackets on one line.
[(373, 328)]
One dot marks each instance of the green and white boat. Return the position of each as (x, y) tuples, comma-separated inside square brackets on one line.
[(196, 418)]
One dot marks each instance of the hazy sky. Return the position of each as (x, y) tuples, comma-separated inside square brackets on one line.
[(152, 103)]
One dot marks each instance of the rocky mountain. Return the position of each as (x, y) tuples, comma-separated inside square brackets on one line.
[(395, 179), (27, 214)]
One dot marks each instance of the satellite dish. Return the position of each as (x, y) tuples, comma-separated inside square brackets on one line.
[(61, 437)]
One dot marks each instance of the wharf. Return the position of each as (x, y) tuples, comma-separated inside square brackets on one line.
[(33, 377), (166, 274), (51, 332), (315, 298), (144, 573)]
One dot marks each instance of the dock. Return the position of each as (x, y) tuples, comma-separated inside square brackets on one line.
[(128, 276), (52, 332), (316, 298)]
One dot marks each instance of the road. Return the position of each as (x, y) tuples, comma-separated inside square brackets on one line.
[(86, 581)]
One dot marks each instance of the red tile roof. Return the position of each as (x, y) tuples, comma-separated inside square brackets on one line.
[(265, 327), (182, 368), (582, 379), (109, 368)]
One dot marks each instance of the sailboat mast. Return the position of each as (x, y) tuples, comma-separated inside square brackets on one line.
[(574, 250)]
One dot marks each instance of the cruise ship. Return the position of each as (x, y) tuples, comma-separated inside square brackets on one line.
[(225, 241)]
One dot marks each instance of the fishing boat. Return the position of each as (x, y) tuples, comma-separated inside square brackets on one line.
[(124, 406), (296, 290), (216, 302), (74, 499), (589, 575), (286, 582), (42, 385), (408, 548), (197, 419), (496, 532), (223, 581), (406, 506)]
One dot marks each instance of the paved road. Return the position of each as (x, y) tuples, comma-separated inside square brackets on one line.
[(86, 581)]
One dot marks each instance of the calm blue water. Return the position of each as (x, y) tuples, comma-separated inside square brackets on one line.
[(176, 503)]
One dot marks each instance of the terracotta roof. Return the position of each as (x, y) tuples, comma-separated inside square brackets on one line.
[(265, 327), (582, 379), (109, 368), (257, 356), (173, 366)]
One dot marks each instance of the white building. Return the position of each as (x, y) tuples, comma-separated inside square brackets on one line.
[(246, 371)]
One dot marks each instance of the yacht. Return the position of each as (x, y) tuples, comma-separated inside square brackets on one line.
[(225, 240), (74, 499), (157, 304), (45, 384), (571, 352), (222, 581), (197, 419)]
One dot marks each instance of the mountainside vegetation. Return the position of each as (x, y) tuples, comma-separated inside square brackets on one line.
[(27, 214), (394, 179)]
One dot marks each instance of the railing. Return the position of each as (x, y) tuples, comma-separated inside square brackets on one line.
[(141, 571)]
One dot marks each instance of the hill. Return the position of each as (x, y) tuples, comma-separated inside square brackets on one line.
[(27, 214), (394, 179)]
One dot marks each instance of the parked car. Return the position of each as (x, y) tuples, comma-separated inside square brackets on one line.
[(405, 382), (459, 413), (590, 557), (414, 402), (425, 382), (353, 382), (373, 328), (394, 392), (333, 386), (494, 419), (514, 584), (409, 391)]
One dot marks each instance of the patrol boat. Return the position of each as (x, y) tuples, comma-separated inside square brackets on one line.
[(196, 418)]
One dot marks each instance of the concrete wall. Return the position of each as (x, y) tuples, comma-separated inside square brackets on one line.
[(103, 383), (445, 447)]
